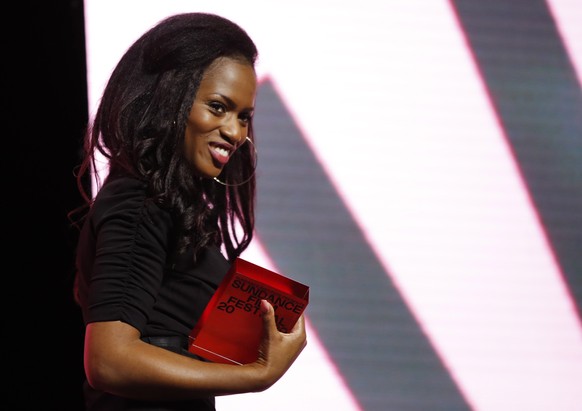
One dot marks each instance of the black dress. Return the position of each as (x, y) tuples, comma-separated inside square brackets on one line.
[(126, 273)]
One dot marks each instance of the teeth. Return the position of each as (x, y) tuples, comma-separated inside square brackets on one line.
[(221, 151)]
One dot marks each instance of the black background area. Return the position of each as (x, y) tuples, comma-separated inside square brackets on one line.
[(44, 116)]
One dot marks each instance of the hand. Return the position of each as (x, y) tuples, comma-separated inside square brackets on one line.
[(278, 351)]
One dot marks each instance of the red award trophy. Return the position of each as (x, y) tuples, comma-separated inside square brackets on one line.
[(230, 328)]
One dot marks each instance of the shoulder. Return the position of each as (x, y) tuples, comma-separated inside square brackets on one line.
[(122, 188), (126, 198)]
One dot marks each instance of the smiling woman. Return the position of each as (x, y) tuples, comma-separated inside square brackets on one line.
[(418, 168), (174, 116)]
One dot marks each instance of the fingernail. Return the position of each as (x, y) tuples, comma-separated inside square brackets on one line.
[(264, 306)]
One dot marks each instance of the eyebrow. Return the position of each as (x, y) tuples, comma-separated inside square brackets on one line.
[(231, 103)]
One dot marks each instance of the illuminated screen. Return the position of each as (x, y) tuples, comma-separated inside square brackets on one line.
[(420, 167)]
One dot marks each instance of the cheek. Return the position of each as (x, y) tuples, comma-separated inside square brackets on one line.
[(199, 122), (192, 144), (194, 133)]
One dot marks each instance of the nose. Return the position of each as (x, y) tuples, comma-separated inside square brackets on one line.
[(232, 130)]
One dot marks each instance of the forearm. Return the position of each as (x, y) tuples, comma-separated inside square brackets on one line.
[(153, 373)]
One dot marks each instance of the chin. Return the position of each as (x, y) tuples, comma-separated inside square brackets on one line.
[(207, 172)]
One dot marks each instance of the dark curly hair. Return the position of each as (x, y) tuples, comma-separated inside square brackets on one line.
[(140, 123)]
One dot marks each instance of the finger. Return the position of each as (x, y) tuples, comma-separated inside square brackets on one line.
[(299, 325), (268, 316)]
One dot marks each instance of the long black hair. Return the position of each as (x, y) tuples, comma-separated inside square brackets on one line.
[(140, 123)]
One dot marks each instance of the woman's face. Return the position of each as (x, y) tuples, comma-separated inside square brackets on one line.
[(219, 119)]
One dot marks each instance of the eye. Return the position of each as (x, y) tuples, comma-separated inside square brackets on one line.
[(245, 118), (217, 107)]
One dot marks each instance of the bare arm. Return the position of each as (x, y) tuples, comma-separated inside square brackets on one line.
[(117, 361)]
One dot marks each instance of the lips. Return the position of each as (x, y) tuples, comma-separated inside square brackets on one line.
[(220, 153)]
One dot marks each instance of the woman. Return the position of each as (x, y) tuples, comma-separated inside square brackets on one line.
[(175, 124)]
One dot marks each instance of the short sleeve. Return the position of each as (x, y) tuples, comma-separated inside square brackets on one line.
[(129, 239)]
